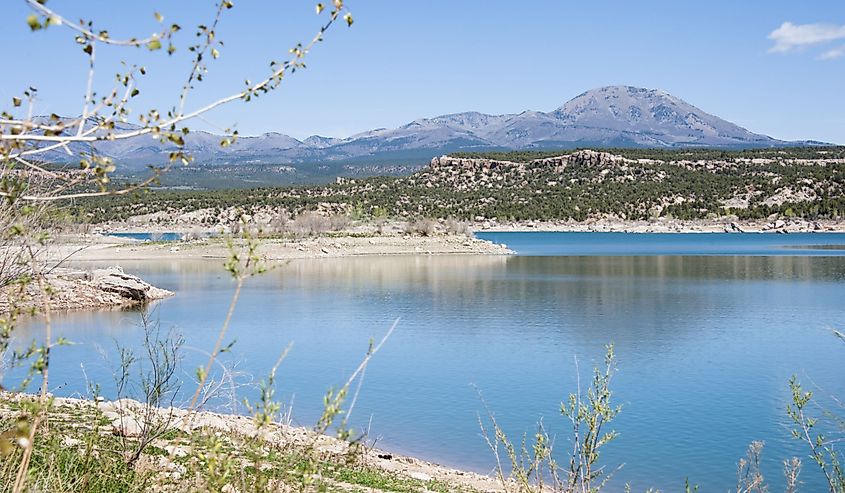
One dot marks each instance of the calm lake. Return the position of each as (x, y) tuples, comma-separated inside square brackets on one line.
[(708, 330)]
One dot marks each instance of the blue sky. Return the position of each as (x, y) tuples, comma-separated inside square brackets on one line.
[(406, 60)]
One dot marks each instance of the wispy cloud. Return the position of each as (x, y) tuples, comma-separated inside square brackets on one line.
[(833, 54), (791, 37)]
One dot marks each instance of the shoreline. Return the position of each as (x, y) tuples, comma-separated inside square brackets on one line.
[(665, 226), (596, 225), (120, 419), (105, 248), (84, 288), (76, 289), (81, 288)]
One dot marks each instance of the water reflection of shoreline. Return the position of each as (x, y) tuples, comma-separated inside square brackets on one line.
[(706, 344), (554, 298)]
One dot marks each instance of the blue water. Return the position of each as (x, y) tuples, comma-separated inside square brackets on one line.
[(549, 243), (705, 345), (149, 236)]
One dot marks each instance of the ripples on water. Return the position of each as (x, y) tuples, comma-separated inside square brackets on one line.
[(705, 345)]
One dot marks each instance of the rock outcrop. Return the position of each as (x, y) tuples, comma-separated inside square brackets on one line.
[(585, 158), (77, 290), (127, 286), (472, 173)]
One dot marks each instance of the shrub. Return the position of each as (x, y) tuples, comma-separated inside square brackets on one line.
[(310, 223), (421, 227)]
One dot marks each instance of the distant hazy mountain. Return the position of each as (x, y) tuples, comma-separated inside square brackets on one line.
[(615, 116)]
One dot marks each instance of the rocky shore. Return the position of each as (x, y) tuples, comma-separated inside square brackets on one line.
[(720, 225), (72, 289), (171, 454)]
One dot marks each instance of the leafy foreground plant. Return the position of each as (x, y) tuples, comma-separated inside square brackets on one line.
[(130, 446), (533, 466), (27, 178), (80, 453), (152, 377), (534, 469), (822, 448)]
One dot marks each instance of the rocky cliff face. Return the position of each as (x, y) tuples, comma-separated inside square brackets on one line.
[(467, 173), (587, 157)]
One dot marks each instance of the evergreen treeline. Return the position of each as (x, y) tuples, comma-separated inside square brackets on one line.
[(810, 190)]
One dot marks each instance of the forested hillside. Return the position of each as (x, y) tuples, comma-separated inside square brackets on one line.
[(539, 185)]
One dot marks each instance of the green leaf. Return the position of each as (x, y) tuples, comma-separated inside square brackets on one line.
[(33, 22), (158, 16), (154, 44), (176, 139), (348, 19), (88, 49), (215, 53), (320, 7), (135, 92), (16, 101)]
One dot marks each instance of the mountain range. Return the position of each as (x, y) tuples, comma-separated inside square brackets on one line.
[(613, 116)]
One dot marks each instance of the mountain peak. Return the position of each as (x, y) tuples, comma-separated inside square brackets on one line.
[(610, 116), (655, 115), (319, 141), (623, 93)]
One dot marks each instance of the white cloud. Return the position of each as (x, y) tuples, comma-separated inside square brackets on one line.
[(833, 54), (790, 37)]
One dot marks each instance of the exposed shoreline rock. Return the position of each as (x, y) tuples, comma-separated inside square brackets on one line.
[(73, 289)]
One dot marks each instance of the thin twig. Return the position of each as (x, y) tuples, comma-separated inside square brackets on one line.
[(217, 345)]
